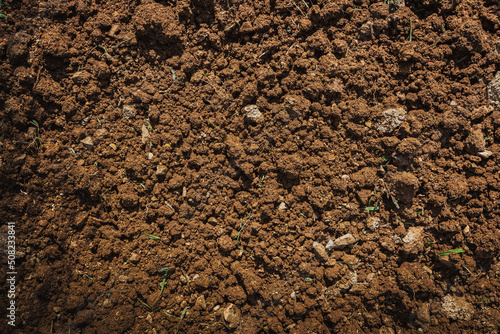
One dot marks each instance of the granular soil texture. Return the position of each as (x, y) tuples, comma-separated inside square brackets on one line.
[(248, 166)]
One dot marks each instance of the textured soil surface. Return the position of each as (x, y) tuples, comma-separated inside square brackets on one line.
[(249, 166)]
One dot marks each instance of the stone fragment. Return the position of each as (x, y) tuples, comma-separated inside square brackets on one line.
[(84, 317), (161, 170), (232, 316), (413, 242), (320, 250), (475, 142), (134, 258), (457, 308), (494, 91), (19, 160), (99, 134), (226, 243), (392, 119), (341, 242), (125, 279), (128, 112), (113, 146), (88, 143), (200, 303), (252, 113), (146, 136), (282, 206), (485, 154), (373, 223)]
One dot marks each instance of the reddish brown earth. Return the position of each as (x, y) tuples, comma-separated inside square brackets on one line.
[(126, 148)]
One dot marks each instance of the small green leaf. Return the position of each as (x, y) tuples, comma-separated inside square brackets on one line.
[(458, 251), (183, 313), (150, 236), (308, 280), (372, 208), (3, 16)]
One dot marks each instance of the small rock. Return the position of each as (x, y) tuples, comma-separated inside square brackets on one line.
[(413, 242), (125, 279), (373, 223), (57, 309), (226, 243), (150, 155), (423, 314), (466, 230), (216, 308), (128, 112), (282, 206), (149, 318), (392, 118), (107, 303), (232, 316), (346, 178), (457, 308), (19, 160), (161, 170), (134, 258), (88, 143), (343, 241), (113, 146), (84, 317), (200, 303), (494, 91), (475, 142), (146, 136), (399, 3), (320, 250), (252, 113), (485, 154), (99, 135)]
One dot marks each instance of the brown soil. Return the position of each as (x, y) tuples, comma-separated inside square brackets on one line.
[(230, 141)]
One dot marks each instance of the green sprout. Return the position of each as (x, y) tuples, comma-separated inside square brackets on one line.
[(150, 236), (164, 270), (371, 208), (308, 280), (457, 250)]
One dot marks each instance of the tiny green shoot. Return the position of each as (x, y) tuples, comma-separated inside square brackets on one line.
[(308, 280), (457, 250), (487, 138), (165, 274), (371, 208), (90, 278), (188, 281), (146, 305), (150, 236)]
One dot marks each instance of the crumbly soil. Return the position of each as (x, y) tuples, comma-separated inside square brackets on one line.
[(230, 141)]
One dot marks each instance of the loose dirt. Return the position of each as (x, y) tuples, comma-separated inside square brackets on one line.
[(251, 166)]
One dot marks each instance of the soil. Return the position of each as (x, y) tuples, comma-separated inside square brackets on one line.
[(251, 166)]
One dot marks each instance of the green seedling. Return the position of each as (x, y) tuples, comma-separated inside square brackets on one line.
[(90, 278), (147, 306), (487, 138), (242, 225), (372, 208), (308, 280), (143, 186), (183, 314), (165, 271), (150, 236), (302, 215), (3, 16), (37, 133), (99, 121), (457, 250)]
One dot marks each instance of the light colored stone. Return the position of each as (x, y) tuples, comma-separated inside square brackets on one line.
[(320, 250), (413, 242), (485, 154), (282, 206), (494, 91), (125, 279), (457, 308), (200, 303), (146, 136), (161, 170), (252, 113), (107, 303), (232, 316), (134, 258), (128, 112), (373, 223), (88, 143), (99, 134), (392, 119), (341, 242), (19, 160)]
